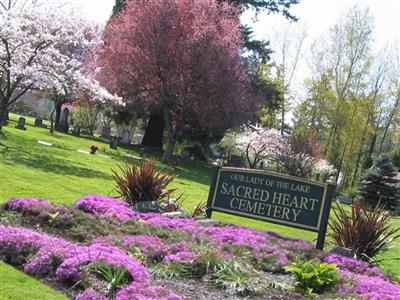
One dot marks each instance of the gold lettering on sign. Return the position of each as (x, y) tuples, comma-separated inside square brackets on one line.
[(262, 201)]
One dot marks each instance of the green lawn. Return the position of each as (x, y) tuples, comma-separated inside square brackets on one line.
[(61, 174)]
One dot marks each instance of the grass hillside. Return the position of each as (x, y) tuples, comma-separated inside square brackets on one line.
[(65, 172)]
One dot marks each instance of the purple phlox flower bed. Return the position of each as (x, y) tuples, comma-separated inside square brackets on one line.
[(234, 235), (69, 269), (184, 257), (146, 243), (27, 204), (89, 294), (139, 291), (21, 241), (42, 250), (36, 206), (104, 206), (161, 240), (353, 265), (369, 287), (367, 282)]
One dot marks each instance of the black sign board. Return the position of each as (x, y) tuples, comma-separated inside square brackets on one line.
[(272, 197)]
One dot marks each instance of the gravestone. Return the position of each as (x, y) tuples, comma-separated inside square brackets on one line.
[(77, 131), (21, 123), (146, 206), (105, 132), (38, 122), (235, 161), (344, 199), (64, 126), (125, 137), (114, 142)]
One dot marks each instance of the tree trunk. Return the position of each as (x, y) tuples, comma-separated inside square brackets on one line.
[(153, 136), (392, 114), (4, 117), (2, 113), (170, 139), (52, 120)]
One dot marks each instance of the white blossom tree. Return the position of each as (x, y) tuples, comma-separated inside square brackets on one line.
[(258, 143), (43, 49)]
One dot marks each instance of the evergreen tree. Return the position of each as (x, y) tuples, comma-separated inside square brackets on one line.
[(118, 7), (379, 183)]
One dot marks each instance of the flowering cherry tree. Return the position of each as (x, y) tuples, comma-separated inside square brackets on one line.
[(258, 143), (180, 58), (42, 49)]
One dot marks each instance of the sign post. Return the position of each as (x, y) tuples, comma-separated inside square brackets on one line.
[(272, 197)]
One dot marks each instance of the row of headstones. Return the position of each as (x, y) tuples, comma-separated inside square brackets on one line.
[(105, 133), (22, 121)]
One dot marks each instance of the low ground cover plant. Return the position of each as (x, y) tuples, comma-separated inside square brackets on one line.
[(119, 258)]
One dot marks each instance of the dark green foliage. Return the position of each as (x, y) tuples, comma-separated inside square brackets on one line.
[(257, 47), (379, 185), (144, 183), (313, 277), (272, 6), (364, 232), (118, 7), (395, 158)]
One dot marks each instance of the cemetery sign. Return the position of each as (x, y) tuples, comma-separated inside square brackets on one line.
[(272, 197)]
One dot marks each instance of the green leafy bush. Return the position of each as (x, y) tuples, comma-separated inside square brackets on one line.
[(239, 277), (313, 277), (144, 183), (364, 232)]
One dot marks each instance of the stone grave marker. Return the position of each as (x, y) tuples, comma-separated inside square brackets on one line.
[(77, 131), (125, 137), (344, 199), (114, 142), (146, 206), (38, 122), (105, 132), (21, 123)]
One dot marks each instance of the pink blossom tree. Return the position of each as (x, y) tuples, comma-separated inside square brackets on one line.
[(41, 48), (181, 58)]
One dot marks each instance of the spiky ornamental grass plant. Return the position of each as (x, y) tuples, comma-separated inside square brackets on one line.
[(144, 183), (116, 276), (364, 232)]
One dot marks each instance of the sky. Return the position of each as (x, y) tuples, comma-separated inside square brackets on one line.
[(315, 18), (316, 15)]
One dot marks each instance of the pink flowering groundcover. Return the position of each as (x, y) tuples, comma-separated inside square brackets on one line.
[(60, 244)]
